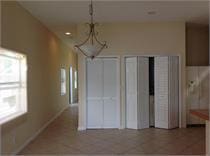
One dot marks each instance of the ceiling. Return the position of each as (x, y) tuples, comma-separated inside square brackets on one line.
[(59, 16)]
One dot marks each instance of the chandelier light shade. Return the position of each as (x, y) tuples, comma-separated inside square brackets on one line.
[(91, 47)]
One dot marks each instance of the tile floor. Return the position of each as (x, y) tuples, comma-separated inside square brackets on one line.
[(62, 137)]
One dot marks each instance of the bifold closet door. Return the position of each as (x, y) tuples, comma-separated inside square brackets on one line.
[(95, 93), (131, 93), (137, 92), (161, 92), (143, 92), (166, 92), (110, 93), (102, 93), (173, 91)]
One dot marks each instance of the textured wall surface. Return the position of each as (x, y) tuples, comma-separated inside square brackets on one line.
[(197, 45), (139, 39), (46, 54)]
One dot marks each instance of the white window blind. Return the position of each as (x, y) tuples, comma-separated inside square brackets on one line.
[(75, 79), (12, 85), (63, 81)]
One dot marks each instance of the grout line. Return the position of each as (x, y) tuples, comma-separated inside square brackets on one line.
[(30, 139)]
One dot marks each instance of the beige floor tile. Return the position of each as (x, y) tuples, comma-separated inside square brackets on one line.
[(62, 138)]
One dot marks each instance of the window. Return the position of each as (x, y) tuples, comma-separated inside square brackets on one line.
[(63, 81), (75, 79), (12, 85), (71, 84)]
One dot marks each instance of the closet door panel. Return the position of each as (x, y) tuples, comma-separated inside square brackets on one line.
[(161, 92), (95, 93), (110, 93), (143, 92), (131, 93), (173, 92), (95, 114), (110, 115), (175, 116)]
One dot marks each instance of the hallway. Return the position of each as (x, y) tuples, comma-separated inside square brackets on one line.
[(62, 137)]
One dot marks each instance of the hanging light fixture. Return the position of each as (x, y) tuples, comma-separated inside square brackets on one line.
[(91, 47)]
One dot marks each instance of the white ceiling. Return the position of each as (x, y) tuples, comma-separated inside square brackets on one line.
[(68, 12), (60, 15)]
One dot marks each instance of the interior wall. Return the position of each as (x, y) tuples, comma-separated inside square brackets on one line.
[(0, 45), (46, 55), (197, 45), (126, 39)]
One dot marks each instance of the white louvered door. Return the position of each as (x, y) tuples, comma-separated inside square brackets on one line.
[(161, 92), (167, 92), (137, 92), (131, 93), (143, 92), (173, 92)]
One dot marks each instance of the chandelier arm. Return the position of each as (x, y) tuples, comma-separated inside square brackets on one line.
[(102, 44), (89, 35), (83, 52), (99, 50)]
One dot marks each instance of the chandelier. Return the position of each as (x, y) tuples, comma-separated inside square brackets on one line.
[(91, 47)]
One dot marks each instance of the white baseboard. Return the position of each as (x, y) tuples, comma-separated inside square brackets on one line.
[(81, 128), (39, 131), (73, 105), (121, 127)]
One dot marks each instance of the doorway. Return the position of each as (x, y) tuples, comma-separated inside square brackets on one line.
[(152, 92)]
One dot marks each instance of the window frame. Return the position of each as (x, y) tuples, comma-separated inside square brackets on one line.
[(63, 81), (75, 79), (21, 86)]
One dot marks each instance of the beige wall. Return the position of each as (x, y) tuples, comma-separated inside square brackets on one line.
[(197, 45), (46, 54), (163, 38), (0, 45)]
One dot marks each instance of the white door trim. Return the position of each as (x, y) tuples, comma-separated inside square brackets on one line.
[(181, 116)]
